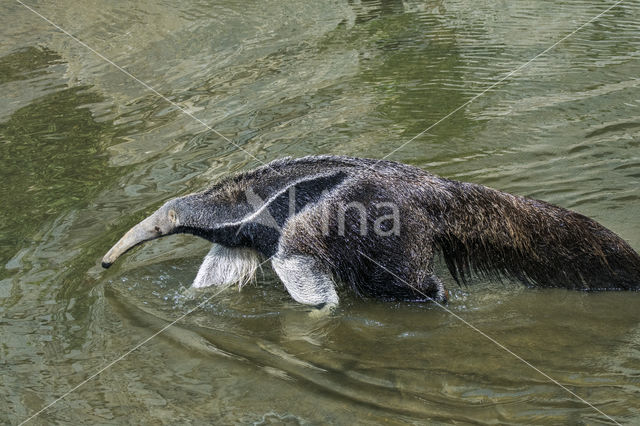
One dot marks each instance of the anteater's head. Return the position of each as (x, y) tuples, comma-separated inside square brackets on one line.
[(164, 221), (202, 214)]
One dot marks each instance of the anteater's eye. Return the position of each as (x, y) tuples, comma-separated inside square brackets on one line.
[(157, 229)]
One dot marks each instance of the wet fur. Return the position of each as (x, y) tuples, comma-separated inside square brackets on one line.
[(478, 230), (224, 266)]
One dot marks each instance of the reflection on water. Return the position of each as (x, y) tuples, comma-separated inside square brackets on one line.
[(87, 152)]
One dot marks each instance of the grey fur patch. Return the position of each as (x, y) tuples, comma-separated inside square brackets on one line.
[(224, 266), (441, 292), (305, 281)]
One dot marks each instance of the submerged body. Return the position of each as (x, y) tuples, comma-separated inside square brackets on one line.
[(377, 225)]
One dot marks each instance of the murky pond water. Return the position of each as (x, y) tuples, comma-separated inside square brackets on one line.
[(86, 151)]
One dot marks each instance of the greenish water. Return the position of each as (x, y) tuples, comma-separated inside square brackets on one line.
[(86, 152)]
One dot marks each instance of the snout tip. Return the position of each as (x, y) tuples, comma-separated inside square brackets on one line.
[(106, 264)]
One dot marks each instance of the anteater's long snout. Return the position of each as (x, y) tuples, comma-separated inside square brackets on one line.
[(136, 235), (155, 226)]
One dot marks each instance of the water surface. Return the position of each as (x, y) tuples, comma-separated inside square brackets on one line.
[(86, 152)]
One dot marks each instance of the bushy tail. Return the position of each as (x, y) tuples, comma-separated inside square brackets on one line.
[(493, 233)]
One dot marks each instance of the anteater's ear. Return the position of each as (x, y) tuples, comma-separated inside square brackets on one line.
[(173, 217), (301, 193)]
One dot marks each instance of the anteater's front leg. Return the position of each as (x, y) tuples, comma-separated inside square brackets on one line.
[(224, 266), (305, 280)]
